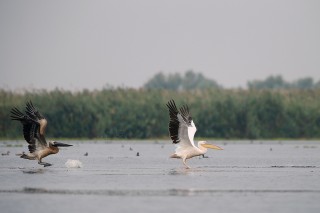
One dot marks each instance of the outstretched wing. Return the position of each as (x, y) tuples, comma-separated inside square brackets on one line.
[(33, 113), (181, 126), (31, 127)]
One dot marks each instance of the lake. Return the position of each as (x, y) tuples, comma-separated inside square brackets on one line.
[(247, 176)]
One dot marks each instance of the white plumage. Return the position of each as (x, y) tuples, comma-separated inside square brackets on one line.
[(182, 130), (73, 164)]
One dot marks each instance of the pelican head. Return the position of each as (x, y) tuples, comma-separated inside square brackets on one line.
[(207, 145), (58, 144)]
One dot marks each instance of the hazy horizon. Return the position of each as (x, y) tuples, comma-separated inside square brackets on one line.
[(77, 45)]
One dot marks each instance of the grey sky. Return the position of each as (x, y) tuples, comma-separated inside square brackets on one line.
[(88, 44)]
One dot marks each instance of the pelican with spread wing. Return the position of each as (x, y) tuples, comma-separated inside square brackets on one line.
[(182, 130), (34, 126)]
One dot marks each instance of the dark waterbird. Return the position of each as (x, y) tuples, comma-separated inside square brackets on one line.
[(34, 126), (6, 153)]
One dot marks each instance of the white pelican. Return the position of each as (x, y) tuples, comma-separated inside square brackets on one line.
[(34, 125), (182, 130)]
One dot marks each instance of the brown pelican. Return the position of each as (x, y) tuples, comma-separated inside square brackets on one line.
[(182, 130), (34, 126)]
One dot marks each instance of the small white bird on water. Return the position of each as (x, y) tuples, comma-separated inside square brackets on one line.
[(73, 164), (182, 130)]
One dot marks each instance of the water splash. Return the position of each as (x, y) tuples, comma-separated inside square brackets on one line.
[(73, 164)]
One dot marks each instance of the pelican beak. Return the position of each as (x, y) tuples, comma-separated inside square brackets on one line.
[(211, 146), (57, 144)]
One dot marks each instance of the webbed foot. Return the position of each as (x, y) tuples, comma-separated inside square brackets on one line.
[(45, 164)]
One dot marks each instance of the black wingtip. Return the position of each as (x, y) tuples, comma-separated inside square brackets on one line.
[(16, 114), (170, 103), (32, 111), (30, 106), (174, 123), (172, 106)]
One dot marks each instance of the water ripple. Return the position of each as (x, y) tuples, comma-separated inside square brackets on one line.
[(165, 192)]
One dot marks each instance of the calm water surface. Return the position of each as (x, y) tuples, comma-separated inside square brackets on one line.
[(247, 176)]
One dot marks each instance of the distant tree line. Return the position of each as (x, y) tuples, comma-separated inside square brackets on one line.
[(141, 113), (189, 81), (277, 82), (192, 80)]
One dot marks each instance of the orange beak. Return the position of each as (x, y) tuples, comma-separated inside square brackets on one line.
[(211, 146)]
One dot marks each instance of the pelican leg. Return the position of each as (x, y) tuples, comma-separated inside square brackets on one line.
[(44, 164), (185, 163)]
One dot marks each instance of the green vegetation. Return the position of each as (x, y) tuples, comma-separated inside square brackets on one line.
[(141, 113), (189, 81), (277, 82)]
